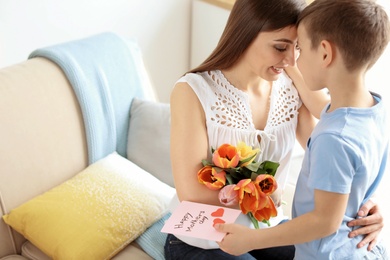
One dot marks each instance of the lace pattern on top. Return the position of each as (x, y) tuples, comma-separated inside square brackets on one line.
[(286, 106), (229, 109)]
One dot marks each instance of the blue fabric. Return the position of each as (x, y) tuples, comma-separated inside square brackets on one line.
[(104, 73), (152, 241), (346, 154)]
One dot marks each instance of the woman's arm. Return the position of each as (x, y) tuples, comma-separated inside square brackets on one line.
[(189, 145), (315, 101)]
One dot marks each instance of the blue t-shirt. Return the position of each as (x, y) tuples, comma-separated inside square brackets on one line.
[(346, 154)]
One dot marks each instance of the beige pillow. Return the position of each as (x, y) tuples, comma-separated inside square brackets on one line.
[(148, 137), (94, 214)]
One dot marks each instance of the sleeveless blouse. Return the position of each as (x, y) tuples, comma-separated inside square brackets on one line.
[(229, 120)]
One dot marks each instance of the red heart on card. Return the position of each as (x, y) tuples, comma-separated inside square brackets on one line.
[(218, 221), (218, 213)]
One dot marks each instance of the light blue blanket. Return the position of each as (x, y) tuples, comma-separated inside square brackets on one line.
[(103, 70)]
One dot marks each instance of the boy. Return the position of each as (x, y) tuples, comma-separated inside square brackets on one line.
[(347, 152)]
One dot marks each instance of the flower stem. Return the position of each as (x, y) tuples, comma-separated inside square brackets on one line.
[(254, 220)]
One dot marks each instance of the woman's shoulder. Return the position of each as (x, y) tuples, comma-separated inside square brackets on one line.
[(199, 82), (194, 76)]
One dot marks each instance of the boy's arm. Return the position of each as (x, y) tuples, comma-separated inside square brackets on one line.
[(324, 220), (315, 101)]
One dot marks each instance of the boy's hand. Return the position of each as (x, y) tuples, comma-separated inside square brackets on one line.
[(237, 240)]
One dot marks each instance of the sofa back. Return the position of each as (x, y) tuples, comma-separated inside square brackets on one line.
[(42, 137), (64, 108)]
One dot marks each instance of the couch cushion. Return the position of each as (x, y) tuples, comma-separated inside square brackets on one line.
[(149, 138), (41, 133), (132, 251), (13, 257), (94, 214), (149, 147)]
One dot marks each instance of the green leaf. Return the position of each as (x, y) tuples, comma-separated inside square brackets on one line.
[(254, 176), (236, 175), (205, 162), (247, 159), (232, 170), (267, 222), (270, 167), (218, 169), (245, 173), (252, 167), (254, 221), (261, 171), (229, 179)]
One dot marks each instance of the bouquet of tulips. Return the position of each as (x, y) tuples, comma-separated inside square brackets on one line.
[(241, 180)]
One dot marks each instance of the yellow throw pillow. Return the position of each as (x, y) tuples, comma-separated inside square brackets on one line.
[(94, 214)]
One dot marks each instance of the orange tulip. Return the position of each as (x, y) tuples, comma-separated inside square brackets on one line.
[(230, 164), (211, 178), (266, 183), (253, 199), (248, 195), (226, 156), (268, 211)]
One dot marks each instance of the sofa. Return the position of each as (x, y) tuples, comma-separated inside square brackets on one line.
[(84, 165), (84, 168)]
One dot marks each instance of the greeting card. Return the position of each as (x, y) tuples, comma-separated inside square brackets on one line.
[(198, 220)]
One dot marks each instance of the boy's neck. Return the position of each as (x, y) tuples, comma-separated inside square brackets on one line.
[(350, 91)]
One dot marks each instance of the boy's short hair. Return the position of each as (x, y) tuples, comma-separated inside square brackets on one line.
[(359, 28)]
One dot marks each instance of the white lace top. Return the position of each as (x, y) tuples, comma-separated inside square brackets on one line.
[(229, 120)]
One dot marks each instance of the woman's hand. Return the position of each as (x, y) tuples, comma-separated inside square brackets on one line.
[(371, 223)]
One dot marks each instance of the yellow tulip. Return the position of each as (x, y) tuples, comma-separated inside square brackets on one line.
[(246, 153)]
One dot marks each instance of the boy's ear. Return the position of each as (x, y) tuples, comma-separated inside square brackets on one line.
[(327, 52)]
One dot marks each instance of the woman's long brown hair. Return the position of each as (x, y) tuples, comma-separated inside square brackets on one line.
[(247, 19)]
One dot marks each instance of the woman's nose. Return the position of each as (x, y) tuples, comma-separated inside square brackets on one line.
[(291, 57)]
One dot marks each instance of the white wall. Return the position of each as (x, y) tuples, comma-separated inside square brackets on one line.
[(162, 28), (377, 80)]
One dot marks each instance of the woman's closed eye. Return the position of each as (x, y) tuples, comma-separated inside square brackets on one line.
[(281, 48)]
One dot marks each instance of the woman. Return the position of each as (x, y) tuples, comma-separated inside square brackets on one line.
[(242, 93)]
